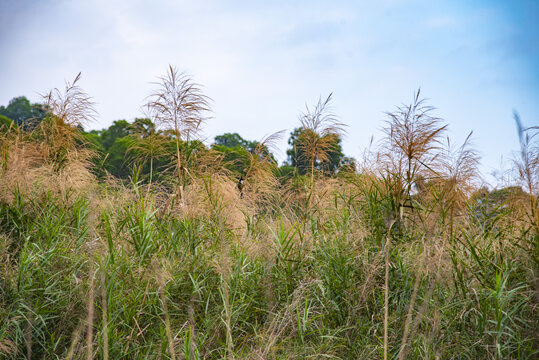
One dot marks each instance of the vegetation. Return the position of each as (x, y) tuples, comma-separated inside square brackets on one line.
[(23, 113), (400, 256)]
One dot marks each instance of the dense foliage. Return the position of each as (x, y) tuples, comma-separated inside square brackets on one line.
[(22, 112)]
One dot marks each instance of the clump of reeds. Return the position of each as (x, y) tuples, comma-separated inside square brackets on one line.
[(53, 157), (320, 128), (146, 144), (179, 107), (260, 180), (410, 148), (67, 112), (527, 165)]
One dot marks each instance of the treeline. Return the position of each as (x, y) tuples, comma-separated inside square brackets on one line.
[(125, 148), (20, 112), (140, 149)]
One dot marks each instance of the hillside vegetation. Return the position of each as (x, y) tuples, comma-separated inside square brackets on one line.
[(139, 242)]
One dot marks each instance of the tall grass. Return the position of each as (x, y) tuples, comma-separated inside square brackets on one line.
[(400, 261)]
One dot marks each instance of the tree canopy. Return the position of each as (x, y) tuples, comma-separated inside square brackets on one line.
[(233, 140), (141, 142), (22, 112)]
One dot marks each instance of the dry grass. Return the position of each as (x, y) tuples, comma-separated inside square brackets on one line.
[(28, 169), (320, 130), (217, 195)]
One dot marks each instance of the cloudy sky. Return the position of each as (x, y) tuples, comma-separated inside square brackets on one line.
[(262, 61)]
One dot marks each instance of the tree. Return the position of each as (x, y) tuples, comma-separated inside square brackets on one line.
[(239, 154), (236, 159), (118, 129), (145, 143), (235, 151), (232, 140), (112, 144), (22, 112)]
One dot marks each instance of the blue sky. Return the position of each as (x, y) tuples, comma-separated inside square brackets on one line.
[(262, 61)]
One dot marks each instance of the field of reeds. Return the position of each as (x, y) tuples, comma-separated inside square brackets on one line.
[(401, 255)]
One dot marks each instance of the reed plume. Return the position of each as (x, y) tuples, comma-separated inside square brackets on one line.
[(321, 128), (180, 107), (410, 146)]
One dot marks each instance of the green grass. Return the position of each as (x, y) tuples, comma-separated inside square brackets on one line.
[(285, 288)]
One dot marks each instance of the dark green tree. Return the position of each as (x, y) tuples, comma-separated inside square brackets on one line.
[(113, 145), (22, 112), (238, 152), (147, 146), (233, 140), (235, 151), (118, 129)]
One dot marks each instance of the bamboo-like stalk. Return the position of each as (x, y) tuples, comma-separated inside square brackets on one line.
[(386, 289), (404, 341), (104, 319), (90, 316), (386, 297), (29, 325), (74, 341), (168, 328)]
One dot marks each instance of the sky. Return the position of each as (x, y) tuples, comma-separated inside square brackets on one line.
[(263, 62)]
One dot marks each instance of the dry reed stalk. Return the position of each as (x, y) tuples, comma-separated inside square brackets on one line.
[(404, 342), (386, 297), (28, 166), (374, 267), (528, 170), (217, 194), (192, 323), (410, 148), (386, 289), (72, 106), (432, 286), (260, 181), (228, 325), (90, 316), (460, 168), (75, 341), (28, 334), (104, 316), (8, 348), (224, 268), (162, 295), (282, 320), (320, 131)]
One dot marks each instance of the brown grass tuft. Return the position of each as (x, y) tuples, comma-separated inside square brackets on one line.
[(320, 130)]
